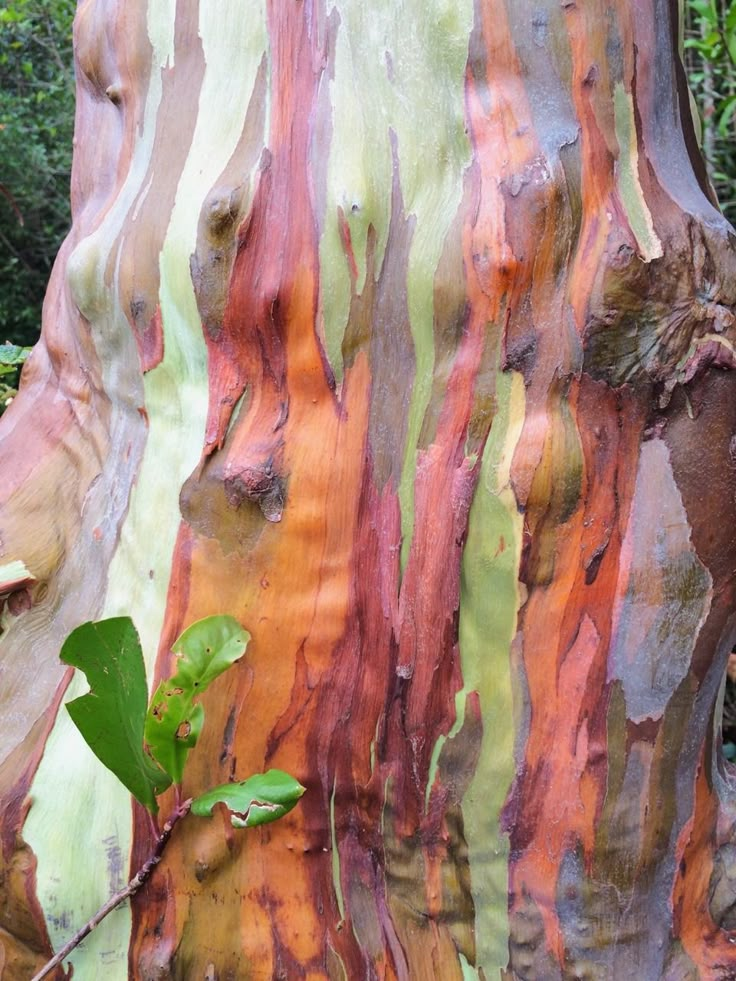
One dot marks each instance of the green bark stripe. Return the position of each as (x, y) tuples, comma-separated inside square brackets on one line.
[(488, 613), (336, 880), (411, 82), (632, 195), (469, 972)]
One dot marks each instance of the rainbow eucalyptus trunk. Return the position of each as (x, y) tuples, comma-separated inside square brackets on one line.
[(402, 333)]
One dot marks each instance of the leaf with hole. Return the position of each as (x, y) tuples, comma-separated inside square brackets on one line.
[(260, 799), (174, 721), (111, 716)]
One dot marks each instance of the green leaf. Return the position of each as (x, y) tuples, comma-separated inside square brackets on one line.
[(111, 716), (260, 799), (704, 7), (174, 721), (726, 111), (730, 20)]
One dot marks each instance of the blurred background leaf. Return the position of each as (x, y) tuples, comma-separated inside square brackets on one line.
[(710, 62)]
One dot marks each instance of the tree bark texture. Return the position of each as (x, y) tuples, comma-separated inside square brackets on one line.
[(403, 333)]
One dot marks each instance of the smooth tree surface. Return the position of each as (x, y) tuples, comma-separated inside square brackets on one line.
[(402, 333)]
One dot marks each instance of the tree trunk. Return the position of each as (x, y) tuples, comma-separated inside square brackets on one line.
[(402, 333)]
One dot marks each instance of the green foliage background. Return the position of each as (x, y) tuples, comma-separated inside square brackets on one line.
[(710, 61), (36, 129)]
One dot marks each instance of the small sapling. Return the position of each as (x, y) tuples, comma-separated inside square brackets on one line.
[(146, 745)]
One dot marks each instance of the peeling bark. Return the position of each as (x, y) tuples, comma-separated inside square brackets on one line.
[(411, 348)]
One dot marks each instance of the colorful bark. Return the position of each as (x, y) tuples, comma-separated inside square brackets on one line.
[(403, 335)]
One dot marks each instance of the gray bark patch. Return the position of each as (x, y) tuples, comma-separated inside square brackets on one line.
[(663, 593)]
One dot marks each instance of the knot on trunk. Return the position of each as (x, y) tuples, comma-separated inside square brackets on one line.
[(211, 264), (667, 319), (261, 485)]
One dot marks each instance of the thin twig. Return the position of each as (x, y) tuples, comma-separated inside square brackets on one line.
[(138, 880)]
